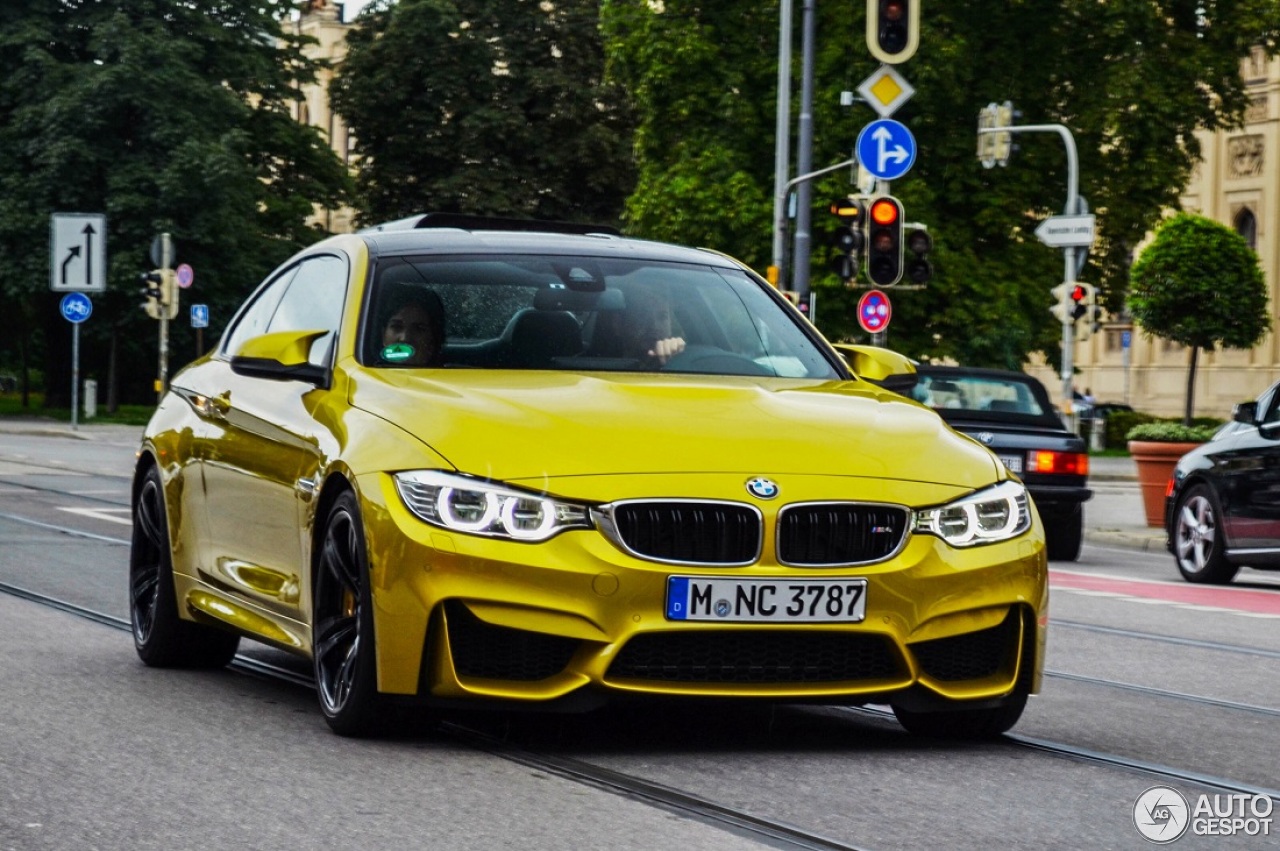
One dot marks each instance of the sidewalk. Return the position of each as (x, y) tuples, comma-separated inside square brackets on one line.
[(41, 426), (1114, 517)]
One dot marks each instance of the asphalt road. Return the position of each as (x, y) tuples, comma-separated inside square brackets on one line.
[(1145, 674)]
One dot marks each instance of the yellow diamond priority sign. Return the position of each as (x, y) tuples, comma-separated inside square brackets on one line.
[(886, 90)]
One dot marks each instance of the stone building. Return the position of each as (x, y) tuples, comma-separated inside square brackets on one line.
[(324, 21)]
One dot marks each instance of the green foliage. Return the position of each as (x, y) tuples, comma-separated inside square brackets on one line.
[(165, 117), (1119, 423), (1199, 284), (1132, 80), (484, 106), (1166, 431)]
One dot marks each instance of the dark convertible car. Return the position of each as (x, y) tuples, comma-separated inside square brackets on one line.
[(1223, 507), (1011, 413)]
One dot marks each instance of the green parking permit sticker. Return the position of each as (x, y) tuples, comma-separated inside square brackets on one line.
[(397, 352)]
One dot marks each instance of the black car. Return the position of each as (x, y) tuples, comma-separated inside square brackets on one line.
[(1011, 413), (1223, 511)]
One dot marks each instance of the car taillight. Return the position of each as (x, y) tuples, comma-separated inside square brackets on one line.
[(1063, 463)]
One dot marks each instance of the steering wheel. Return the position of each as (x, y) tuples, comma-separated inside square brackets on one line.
[(709, 359)]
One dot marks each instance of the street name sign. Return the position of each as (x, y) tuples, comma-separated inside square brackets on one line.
[(886, 149), (78, 252), (1066, 231)]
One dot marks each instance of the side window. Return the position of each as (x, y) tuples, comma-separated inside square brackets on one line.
[(314, 300), (254, 320), (1271, 414)]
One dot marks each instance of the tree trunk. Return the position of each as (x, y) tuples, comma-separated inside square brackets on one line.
[(1191, 385)]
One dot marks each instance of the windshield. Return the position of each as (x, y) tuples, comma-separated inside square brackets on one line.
[(581, 313), (978, 393)]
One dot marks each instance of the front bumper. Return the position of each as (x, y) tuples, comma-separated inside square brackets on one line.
[(459, 617)]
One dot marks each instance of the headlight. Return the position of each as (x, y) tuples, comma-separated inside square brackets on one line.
[(994, 514), (478, 507)]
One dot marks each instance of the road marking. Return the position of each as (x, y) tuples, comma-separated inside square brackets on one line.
[(102, 514), (1202, 598)]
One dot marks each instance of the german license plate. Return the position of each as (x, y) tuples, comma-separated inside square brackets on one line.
[(716, 598), (1013, 462)]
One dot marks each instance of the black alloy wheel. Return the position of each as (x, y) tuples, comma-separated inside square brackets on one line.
[(342, 626), (1198, 545), (161, 637)]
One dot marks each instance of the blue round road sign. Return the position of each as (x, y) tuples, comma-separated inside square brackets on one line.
[(75, 307), (886, 149), (874, 311)]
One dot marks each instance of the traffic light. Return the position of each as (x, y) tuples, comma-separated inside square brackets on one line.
[(791, 296), (995, 148), (893, 29), (1079, 301), (1091, 313), (919, 270), (884, 241), (160, 291), (850, 238), (152, 291)]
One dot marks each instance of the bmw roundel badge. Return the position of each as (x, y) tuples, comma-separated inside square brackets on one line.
[(762, 487)]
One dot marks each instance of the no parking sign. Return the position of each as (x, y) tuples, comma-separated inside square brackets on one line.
[(874, 311)]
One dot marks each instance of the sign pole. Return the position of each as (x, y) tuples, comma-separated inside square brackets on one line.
[(75, 374)]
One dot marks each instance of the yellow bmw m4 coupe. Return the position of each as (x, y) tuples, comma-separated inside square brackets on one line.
[(458, 460)]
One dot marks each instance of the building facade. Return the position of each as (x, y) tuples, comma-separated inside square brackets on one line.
[(323, 21)]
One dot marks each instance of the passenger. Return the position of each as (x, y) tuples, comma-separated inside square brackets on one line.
[(413, 334)]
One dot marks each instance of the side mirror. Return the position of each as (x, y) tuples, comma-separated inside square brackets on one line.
[(880, 366), (282, 356), (1245, 412)]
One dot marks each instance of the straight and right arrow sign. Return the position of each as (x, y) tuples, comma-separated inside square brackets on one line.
[(1066, 231)]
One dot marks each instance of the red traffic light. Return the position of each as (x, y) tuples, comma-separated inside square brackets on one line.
[(884, 211)]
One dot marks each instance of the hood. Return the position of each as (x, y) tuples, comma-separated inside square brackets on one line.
[(511, 425)]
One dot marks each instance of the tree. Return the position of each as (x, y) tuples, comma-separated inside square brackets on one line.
[(164, 116), (484, 106), (1199, 284), (1132, 80)]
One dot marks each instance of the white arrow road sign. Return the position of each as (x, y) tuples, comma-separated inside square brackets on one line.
[(78, 256), (1066, 231)]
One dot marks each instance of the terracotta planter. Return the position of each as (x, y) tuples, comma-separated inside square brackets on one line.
[(1155, 461)]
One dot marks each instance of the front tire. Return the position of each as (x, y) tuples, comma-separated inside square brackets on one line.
[(161, 637), (1198, 545), (965, 724), (342, 625)]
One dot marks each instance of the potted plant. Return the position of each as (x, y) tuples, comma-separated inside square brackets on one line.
[(1156, 448)]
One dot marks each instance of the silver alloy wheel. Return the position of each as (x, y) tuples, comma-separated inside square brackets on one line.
[(1197, 534)]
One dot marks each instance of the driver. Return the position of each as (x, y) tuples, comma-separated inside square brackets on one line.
[(647, 331), (413, 332)]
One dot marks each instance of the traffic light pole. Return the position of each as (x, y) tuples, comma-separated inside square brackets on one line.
[(166, 263), (780, 225), (1068, 252)]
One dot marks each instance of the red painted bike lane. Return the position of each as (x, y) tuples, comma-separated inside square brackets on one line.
[(1218, 596)]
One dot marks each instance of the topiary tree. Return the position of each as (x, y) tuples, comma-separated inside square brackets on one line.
[(1199, 284)]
